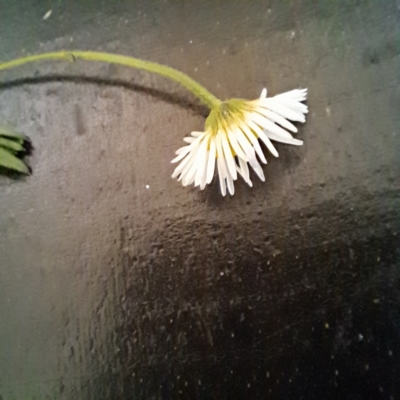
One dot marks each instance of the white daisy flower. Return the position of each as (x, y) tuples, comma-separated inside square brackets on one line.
[(231, 139)]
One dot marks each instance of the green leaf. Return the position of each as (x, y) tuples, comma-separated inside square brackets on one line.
[(9, 132), (14, 145), (8, 160)]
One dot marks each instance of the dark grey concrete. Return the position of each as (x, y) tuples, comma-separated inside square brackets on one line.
[(289, 290)]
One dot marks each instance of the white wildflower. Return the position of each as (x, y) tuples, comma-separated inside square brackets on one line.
[(231, 139)]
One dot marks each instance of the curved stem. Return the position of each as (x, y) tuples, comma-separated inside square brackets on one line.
[(199, 91)]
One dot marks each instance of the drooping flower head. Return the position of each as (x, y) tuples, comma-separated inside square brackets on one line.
[(231, 139), (232, 130)]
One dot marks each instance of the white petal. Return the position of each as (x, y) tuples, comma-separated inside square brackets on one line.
[(197, 164), (231, 186), (263, 137), (266, 124), (203, 180), (263, 94), (282, 110), (292, 104), (296, 94), (184, 164), (188, 166), (221, 177), (211, 161), (236, 146), (189, 139), (257, 168), (274, 117), (277, 138), (185, 177), (229, 157), (183, 149), (244, 171), (202, 159), (186, 149), (189, 177), (243, 141), (222, 169), (254, 141)]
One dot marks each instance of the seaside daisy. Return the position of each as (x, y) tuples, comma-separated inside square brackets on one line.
[(232, 136)]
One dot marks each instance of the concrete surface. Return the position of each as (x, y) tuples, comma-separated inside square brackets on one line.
[(118, 283)]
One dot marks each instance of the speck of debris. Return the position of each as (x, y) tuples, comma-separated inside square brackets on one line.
[(47, 15)]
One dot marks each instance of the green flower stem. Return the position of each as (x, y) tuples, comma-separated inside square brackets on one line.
[(199, 91)]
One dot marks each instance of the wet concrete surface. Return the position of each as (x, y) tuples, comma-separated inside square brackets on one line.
[(118, 283)]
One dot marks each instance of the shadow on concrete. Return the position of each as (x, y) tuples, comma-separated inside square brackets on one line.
[(180, 101)]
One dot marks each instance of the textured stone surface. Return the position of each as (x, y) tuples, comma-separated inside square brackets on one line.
[(118, 283)]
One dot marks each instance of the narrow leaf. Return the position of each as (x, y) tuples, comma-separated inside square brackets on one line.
[(11, 133), (13, 145), (8, 160)]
